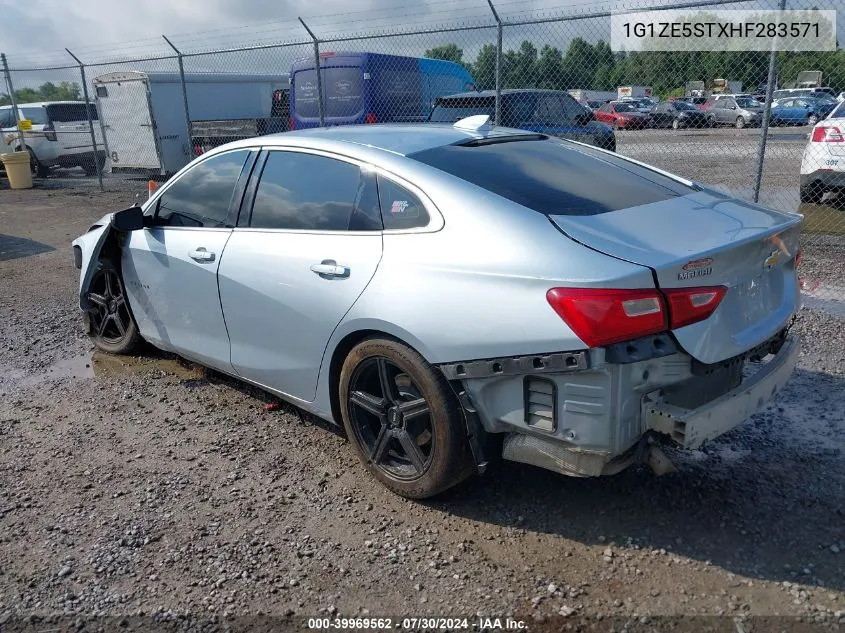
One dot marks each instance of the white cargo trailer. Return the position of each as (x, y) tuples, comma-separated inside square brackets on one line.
[(143, 113)]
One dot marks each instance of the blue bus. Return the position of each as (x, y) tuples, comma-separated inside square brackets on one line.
[(371, 88)]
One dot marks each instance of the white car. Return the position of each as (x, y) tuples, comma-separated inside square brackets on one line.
[(60, 136), (823, 163)]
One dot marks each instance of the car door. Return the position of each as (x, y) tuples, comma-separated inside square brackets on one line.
[(725, 110), (309, 245), (170, 269)]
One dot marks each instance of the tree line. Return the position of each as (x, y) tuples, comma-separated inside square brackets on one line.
[(48, 91), (597, 67)]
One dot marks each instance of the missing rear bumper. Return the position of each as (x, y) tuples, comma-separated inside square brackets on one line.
[(692, 427)]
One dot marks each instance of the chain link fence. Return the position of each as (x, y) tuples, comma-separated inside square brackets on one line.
[(757, 125)]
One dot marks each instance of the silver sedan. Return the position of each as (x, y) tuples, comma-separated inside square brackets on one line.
[(457, 294)]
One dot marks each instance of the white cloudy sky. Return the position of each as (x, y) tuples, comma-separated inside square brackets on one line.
[(37, 31)]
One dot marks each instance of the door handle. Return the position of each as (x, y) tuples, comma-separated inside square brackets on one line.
[(201, 255), (330, 268)]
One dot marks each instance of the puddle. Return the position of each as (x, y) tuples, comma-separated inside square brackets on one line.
[(97, 364)]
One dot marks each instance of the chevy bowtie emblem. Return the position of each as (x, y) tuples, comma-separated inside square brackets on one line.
[(772, 259)]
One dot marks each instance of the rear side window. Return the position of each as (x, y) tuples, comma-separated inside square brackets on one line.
[(400, 209), (71, 112), (552, 178), (37, 114), (306, 192), (202, 195)]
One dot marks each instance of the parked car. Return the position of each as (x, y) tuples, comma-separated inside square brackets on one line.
[(823, 162), (677, 114), (739, 111), (60, 135), (622, 114), (643, 104), (551, 112), (804, 92), (800, 111), (453, 293), (371, 88)]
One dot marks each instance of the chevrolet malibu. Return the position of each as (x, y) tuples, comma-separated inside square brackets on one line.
[(453, 294)]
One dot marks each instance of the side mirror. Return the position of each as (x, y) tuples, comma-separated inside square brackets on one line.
[(733, 107), (130, 219)]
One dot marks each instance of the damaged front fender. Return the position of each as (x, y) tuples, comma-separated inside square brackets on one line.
[(90, 246)]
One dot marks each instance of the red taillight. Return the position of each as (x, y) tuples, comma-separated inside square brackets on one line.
[(371, 118), (691, 305), (827, 134), (603, 316), (198, 151), (292, 125)]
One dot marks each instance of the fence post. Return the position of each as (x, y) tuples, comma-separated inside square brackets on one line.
[(97, 164), (13, 100), (498, 63), (764, 132), (188, 125), (317, 71)]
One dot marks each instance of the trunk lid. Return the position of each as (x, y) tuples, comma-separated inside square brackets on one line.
[(707, 239)]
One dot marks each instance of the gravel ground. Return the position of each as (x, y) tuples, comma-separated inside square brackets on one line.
[(150, 487)]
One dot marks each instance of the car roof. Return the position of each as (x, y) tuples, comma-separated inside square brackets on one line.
[(41, 104), (505, 91), (395, 138)]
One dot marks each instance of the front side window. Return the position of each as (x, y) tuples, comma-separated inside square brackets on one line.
[(400, 209), (7, 118), (201, 197), (306, 192)]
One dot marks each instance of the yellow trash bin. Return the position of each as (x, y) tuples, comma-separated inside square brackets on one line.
[(18, 169)]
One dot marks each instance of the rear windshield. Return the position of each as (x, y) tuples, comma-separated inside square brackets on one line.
[(342, 87), (683, 105), (552, 177), (450, 110), (625, 107), (70, 112)]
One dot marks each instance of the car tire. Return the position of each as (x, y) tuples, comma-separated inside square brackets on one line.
[(38, 168), (616, 125), (676, 125), (111, 326), (711, 121), (740, 122), (812, 119), (417, 456), (812, 193)]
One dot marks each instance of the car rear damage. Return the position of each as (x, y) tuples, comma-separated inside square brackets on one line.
[(681, 359)]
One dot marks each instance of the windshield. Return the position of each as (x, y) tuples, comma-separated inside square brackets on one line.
[(748, 103), (551, 177), (625, 107), (683, 105)]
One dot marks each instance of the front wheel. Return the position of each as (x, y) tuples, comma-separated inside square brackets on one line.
[(740, 122), (616, 125), (403, 419), (676, 124), (111, 325), (812, 119), (711, 121)]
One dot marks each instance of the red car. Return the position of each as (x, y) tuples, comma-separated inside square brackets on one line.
[(621, 114)]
